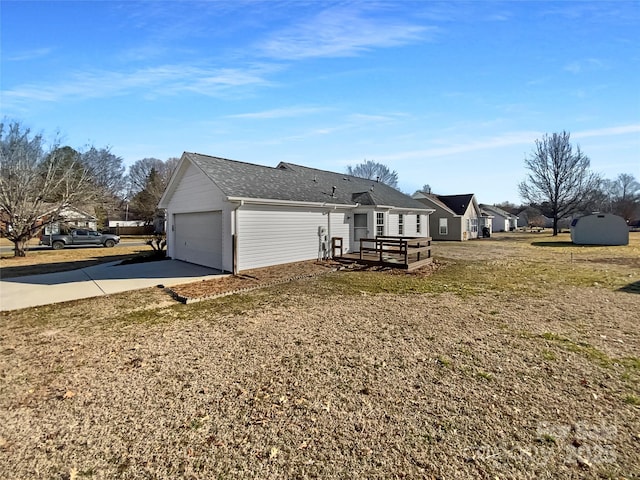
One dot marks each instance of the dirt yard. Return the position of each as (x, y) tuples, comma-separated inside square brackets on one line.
[(513, 357)]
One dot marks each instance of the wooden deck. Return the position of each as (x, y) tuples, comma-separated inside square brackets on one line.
[(408, 253)]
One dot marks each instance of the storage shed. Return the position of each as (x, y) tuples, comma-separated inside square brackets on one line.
[(599, 229)]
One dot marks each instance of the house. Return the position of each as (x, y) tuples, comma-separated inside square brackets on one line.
[(503, 221), (236, 216), (68, 216), (456, 217), (532, 217), (599, 229)]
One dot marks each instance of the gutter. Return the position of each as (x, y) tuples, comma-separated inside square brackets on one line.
[(290, 203), (404, 209)]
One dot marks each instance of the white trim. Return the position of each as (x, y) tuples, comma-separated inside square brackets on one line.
[(290, 203)]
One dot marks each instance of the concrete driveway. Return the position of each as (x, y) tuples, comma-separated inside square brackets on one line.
[(104, 279)]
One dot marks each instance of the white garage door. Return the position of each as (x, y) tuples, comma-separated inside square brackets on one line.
[(198, 238)]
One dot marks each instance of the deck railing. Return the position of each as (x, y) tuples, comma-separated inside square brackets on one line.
[(388, 250)]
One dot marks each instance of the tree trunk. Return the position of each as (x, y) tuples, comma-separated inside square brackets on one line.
[(555, 225), (20, 248)]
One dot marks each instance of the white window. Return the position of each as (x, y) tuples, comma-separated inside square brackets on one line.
[(444, 226), (472, 224), (379, 224), (418, 225), (400, 224)]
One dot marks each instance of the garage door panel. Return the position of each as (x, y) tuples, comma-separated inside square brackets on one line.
[(198, 238)]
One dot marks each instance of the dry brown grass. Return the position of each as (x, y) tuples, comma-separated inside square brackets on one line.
[(49, 260), (520, 373)]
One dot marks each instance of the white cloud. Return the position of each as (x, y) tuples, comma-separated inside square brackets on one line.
[(156, 81), (526, 138), (605, 132), (30, 54), (588, 65), (286, 112), (340, 32), (508, 139)]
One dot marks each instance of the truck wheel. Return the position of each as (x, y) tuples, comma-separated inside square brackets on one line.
[(58, 245), (109, 243)]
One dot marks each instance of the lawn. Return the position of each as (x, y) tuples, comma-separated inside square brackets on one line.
[(47, 260), (514, 357)]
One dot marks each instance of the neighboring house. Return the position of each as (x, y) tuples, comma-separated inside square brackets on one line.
[(50, 222), (503, 221), (531, 217), (236, 216), (600, 229), (69, 217), (455, 217)]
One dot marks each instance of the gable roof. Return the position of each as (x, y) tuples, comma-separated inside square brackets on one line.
[(454, 204), (457, 203), (68, 212), (295, 183), (497, 211)]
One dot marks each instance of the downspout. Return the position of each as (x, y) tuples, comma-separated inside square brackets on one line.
[(330, 250), (234, 240)]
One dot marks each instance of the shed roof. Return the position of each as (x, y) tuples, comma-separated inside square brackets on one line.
[(295, 183)]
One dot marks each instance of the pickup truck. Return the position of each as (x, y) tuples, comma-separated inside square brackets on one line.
[(79, 237)]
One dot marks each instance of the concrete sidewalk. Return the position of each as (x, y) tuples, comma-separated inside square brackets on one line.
[(104, 279)]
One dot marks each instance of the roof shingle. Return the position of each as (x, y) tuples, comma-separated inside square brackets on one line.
[(290, 182)]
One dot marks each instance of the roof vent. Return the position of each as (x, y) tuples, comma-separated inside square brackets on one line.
[(333, 192)]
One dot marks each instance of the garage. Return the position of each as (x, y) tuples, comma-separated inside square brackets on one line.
[(198, 238)]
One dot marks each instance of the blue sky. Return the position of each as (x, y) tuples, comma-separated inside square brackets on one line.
[(450, 94)]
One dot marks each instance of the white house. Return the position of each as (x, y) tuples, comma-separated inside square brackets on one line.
[(600, 229), (455, 217), (236, 216), (68, 216), (503, 221)]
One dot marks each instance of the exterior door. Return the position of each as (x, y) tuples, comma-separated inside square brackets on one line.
[(359, 229)]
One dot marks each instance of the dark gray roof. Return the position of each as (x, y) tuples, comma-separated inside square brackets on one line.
[(296, 183), (457, 203)]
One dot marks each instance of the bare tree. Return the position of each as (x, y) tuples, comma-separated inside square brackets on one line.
[(508, 206), (139, 173), (559, 177), (148, 179), (106, 172), (374, 171), (34, 183), (624, 195)]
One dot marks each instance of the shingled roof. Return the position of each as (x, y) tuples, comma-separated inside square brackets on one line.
[(497, 211), (456, 204), (295, 183)]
